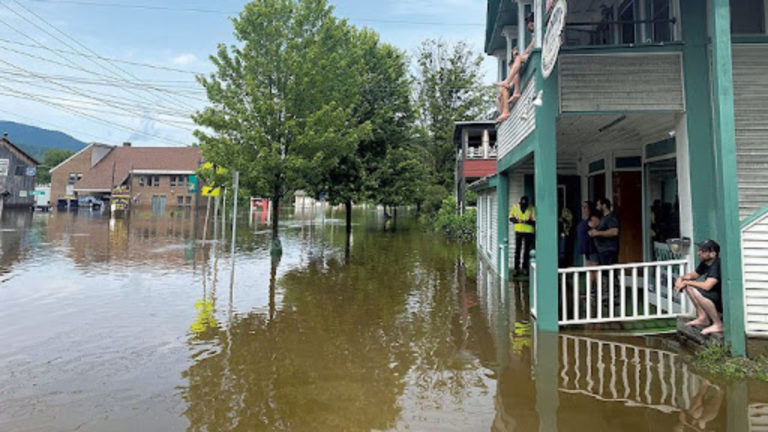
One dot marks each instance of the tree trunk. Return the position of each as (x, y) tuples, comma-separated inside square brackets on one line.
[(277, 247), (348, 208)]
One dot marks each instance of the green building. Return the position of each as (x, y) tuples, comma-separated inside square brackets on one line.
[(660, 106)]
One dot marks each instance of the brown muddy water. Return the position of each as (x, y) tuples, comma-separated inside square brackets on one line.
[(136, 325)]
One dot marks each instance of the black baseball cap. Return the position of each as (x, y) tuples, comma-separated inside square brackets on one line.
[(709, 245)]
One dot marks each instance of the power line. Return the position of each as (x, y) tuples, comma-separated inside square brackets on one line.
[(225, 12), (78, 43), (92, 117), (112, 59)]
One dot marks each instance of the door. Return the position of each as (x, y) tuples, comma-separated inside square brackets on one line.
[(155, 203), (162, 204), (628, 206)]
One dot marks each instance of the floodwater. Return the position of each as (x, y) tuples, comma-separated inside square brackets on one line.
[(137, 325)]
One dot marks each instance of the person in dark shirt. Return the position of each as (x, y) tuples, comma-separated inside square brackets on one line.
[(706, 295), (606, 234), (585, 245)]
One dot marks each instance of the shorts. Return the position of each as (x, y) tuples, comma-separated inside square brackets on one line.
[(608, 257), (714, 297), (591, 258)]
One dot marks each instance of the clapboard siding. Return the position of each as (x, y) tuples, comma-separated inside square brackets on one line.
[(494, 230), (621, 82), (750, 88), (521, 122), (754, 251)]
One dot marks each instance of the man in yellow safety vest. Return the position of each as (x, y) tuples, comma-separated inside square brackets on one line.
[(523, 216)]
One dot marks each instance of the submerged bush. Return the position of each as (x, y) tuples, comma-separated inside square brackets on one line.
[(716, 359), (452, 224)]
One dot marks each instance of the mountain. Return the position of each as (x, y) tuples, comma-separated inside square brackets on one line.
[(36, 141)]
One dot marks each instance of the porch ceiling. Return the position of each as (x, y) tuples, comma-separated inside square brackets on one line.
[(584, 135)]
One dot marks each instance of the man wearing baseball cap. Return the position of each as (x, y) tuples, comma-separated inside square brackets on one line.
[(705, 294)]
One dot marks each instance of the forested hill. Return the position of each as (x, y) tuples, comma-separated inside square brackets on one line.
[(36, 141)]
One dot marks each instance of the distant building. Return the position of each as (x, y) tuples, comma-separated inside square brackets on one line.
[(475, 143), (151, 177), (17, 175)]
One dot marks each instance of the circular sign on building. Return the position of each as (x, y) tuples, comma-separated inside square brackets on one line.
[(553, 39)]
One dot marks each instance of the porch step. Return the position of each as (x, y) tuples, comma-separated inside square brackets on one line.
[(694, 333)]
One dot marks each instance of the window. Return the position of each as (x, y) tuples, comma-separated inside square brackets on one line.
[(179, 199), (748, 16), (149, 180), (142, 180), (79, 176), (627, 17), (662, 27), (20, 170), (72, 178), (189, 200), (178, 181), (173, 181), (156, 181)]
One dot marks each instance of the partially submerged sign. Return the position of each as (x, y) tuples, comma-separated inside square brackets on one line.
[(553, 39), (4, 167)]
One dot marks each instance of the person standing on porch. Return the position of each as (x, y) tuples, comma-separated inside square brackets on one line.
[(706, 294), (523, 216), (606, 234), (513, 78), (585, 245)]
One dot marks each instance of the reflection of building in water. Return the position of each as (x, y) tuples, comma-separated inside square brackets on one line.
[(163, 241), (17, 235)]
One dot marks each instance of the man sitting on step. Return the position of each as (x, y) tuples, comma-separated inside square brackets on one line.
[(706, 294)]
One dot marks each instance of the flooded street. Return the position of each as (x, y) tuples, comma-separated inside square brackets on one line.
[(127, 325)]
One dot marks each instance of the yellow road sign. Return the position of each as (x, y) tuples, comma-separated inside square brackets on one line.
[(211, 191)]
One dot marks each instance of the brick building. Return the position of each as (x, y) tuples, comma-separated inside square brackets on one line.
[(153, 177), (17, 175)]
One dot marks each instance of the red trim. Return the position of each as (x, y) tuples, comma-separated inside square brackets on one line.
[(479, 167)]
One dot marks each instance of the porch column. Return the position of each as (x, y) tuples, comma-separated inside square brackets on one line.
[(521, 27), (502, 200), (726, 174), (486, 140), (547, 356), (545, 176)]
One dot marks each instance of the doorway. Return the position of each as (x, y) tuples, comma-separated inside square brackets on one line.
[(627, 203)]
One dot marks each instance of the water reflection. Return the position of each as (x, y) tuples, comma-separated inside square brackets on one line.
[(137, 324)]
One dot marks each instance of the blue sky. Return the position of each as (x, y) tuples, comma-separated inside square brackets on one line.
[(161, 43)]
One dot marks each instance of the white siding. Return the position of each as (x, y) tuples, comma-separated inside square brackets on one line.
[(621, 82), (754, 251), (494, 230), (521, 122), (750, 87)]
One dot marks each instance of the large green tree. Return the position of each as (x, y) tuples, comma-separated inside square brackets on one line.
[(383, 107), (280, 98), (51, 158), (448, 88)]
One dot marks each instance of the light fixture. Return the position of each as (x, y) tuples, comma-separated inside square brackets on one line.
[(672, 133), (613, 123), (537, 101), (679, 245)]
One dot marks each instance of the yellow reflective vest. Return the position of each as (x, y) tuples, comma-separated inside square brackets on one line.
[(528, 215)]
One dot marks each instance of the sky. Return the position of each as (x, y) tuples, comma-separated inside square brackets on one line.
[(112, 71)]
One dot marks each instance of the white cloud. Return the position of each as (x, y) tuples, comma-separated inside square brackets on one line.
[(184, 59)]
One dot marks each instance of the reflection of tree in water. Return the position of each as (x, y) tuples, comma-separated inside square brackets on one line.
[(342, 345)]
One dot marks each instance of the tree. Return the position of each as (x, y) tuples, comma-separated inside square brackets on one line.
[(51, 158), (280, 99), (398, 178), (448, 89), (382, 109)]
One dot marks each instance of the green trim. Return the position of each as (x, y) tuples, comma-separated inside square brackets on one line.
[(754, 217), (661, 148), (595, 166), (517, 154), (623, 162), (749, 39), (545, 166), (613, 112), (726, 175), (629, 48)]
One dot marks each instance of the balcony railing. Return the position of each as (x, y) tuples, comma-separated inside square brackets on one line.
[(478, 153), (619, 32)]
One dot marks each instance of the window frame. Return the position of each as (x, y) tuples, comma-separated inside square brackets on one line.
[(765, 21)]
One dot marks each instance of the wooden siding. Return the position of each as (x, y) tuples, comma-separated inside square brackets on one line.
[(474, 168), (754, 251), (621, 82), (16, 184), (494, 230), (520, 124), (750, 86)]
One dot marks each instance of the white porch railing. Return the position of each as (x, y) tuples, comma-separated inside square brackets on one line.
[(618, 372), (624, 292)]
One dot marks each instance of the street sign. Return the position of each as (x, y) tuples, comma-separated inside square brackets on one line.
[(553, 39), (31, 171), (211, 191), (4, 167)]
